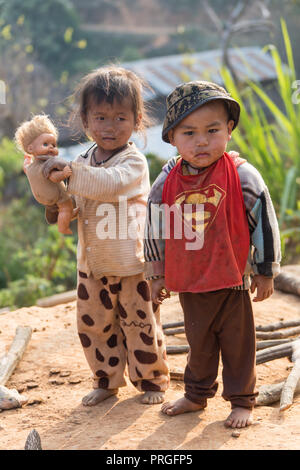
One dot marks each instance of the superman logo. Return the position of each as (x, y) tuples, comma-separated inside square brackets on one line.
[(210, 199)]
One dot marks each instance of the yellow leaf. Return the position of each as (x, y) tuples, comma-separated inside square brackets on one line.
[(6, 32), (61, 110), (29, 48), (68, 34), (29, 68), (64, 77), (82, 44), (20, 20), (43, 102)]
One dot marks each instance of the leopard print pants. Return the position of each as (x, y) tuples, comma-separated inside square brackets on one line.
[(117, 323)]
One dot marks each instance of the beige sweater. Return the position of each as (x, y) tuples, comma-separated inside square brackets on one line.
[(112, 203)]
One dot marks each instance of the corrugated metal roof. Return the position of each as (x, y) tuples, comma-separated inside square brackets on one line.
[(164, 73)]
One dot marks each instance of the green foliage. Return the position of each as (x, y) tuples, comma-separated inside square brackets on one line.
[(36, 256), (25, 292), (11, 161), (269, 134), (155, 165), (51, 27)]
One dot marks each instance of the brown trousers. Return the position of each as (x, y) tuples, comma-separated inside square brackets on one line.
[(220, 321), (117, 324)]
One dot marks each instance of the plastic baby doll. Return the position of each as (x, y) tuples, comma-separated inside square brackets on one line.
[(37, 138)]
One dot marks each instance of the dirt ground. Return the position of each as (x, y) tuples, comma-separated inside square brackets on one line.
[(55, 410)]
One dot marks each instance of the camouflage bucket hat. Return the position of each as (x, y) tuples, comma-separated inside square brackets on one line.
[(187, 97)]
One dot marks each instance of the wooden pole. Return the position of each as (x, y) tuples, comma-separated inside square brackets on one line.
[(262, 332), (9, 362), (260, 345), (292, 381), (278, 325), (275, 352), (272, 342), (173, 325), (278, 334), (287, 282), (178, 349), (176, 331)]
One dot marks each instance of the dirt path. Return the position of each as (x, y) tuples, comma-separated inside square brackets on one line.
[(124, 423)]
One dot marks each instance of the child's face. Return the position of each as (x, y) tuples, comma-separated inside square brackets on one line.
[(201, 138), (110, 125), (44, 144)]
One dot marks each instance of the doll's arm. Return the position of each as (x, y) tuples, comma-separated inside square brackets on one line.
[(57, 176)]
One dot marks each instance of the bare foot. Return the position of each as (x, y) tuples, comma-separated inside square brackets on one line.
[(182, 405), (153, 398), (239, 418), (98, 395)]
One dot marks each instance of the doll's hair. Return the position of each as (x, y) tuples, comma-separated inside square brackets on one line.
[(111, 83), (28, 131)]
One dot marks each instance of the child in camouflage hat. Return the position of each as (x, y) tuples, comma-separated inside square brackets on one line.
[(237, 247)]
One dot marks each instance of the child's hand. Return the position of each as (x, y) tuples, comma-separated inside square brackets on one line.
[(67, 171), (51, 164), (264, 286), (158, 290)]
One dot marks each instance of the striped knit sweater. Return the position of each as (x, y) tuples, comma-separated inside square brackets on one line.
[(264, 251), (112, 203)]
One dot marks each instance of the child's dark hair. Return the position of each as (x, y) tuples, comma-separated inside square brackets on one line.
[(111, 83)]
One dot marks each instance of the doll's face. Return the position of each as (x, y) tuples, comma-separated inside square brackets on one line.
[(44, 144)]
